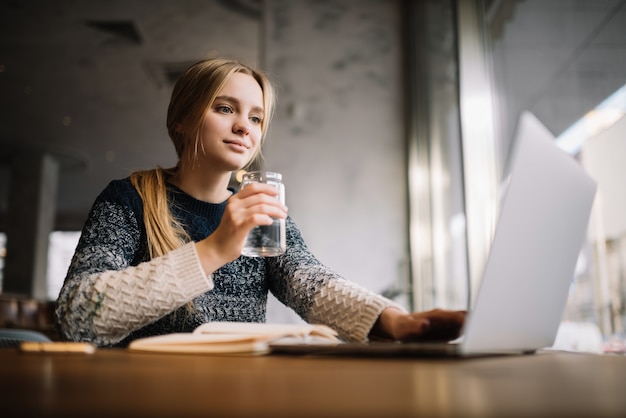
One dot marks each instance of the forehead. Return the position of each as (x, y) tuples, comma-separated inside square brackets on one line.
[(244, 88)]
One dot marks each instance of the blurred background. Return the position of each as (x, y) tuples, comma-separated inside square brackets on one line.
[(394, 123)]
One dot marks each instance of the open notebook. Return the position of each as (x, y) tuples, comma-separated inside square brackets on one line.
[(540, 231), (234, 338)]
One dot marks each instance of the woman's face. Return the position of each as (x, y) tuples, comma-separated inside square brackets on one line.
[(231, 130)]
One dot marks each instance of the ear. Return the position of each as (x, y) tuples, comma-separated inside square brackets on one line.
[(179, 128)]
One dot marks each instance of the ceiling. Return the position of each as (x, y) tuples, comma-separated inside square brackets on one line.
[(89, 81)]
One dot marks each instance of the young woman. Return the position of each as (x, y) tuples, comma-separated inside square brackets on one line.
[(160, 250)]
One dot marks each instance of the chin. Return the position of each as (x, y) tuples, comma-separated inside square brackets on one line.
[(232, 166), (236, 162)]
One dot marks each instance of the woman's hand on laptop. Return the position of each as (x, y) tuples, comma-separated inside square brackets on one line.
[(437, 324)]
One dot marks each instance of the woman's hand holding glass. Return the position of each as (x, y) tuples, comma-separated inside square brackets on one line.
[(254, 205)]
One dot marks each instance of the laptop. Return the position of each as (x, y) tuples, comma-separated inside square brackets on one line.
[(541, 227)]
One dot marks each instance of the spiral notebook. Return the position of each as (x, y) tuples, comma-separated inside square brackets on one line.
[(540, 231)]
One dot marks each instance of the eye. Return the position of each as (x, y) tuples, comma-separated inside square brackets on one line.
[(224, 109), (255, 119)]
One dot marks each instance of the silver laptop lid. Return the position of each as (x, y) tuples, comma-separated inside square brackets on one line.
[(539, 234)]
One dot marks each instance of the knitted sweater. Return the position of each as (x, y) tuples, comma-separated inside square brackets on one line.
[(114, 293)]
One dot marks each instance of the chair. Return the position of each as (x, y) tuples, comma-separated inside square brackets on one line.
[(23, 318), (11, 338)]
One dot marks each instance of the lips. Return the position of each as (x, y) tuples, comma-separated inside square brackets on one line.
[(236, 144)]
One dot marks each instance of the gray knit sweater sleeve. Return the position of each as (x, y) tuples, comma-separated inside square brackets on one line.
[(319, 295), (104, 298)]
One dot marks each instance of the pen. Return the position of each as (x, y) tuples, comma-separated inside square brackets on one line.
[(57, 347)]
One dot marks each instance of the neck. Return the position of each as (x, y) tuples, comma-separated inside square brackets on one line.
[(208, 187)]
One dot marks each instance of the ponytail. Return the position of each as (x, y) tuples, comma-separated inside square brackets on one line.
[(164, 233)]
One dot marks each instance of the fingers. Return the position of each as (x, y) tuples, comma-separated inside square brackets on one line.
[(253, 208), (258, 201), (444, 325), (253, 189), (437, 324)]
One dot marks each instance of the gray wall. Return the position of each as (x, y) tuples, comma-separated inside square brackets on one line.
[(338, 136)]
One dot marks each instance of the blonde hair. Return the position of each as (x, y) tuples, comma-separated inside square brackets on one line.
[(192, 96)]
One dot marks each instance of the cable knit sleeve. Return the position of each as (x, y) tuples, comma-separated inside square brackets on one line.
[(108, 293), (319, 295)]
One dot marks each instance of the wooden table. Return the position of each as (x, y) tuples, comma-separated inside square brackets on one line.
[(115, 383)]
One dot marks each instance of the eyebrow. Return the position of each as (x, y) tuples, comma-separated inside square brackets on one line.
[(237, 101)]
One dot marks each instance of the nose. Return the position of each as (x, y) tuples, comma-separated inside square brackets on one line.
[(241, 125)]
